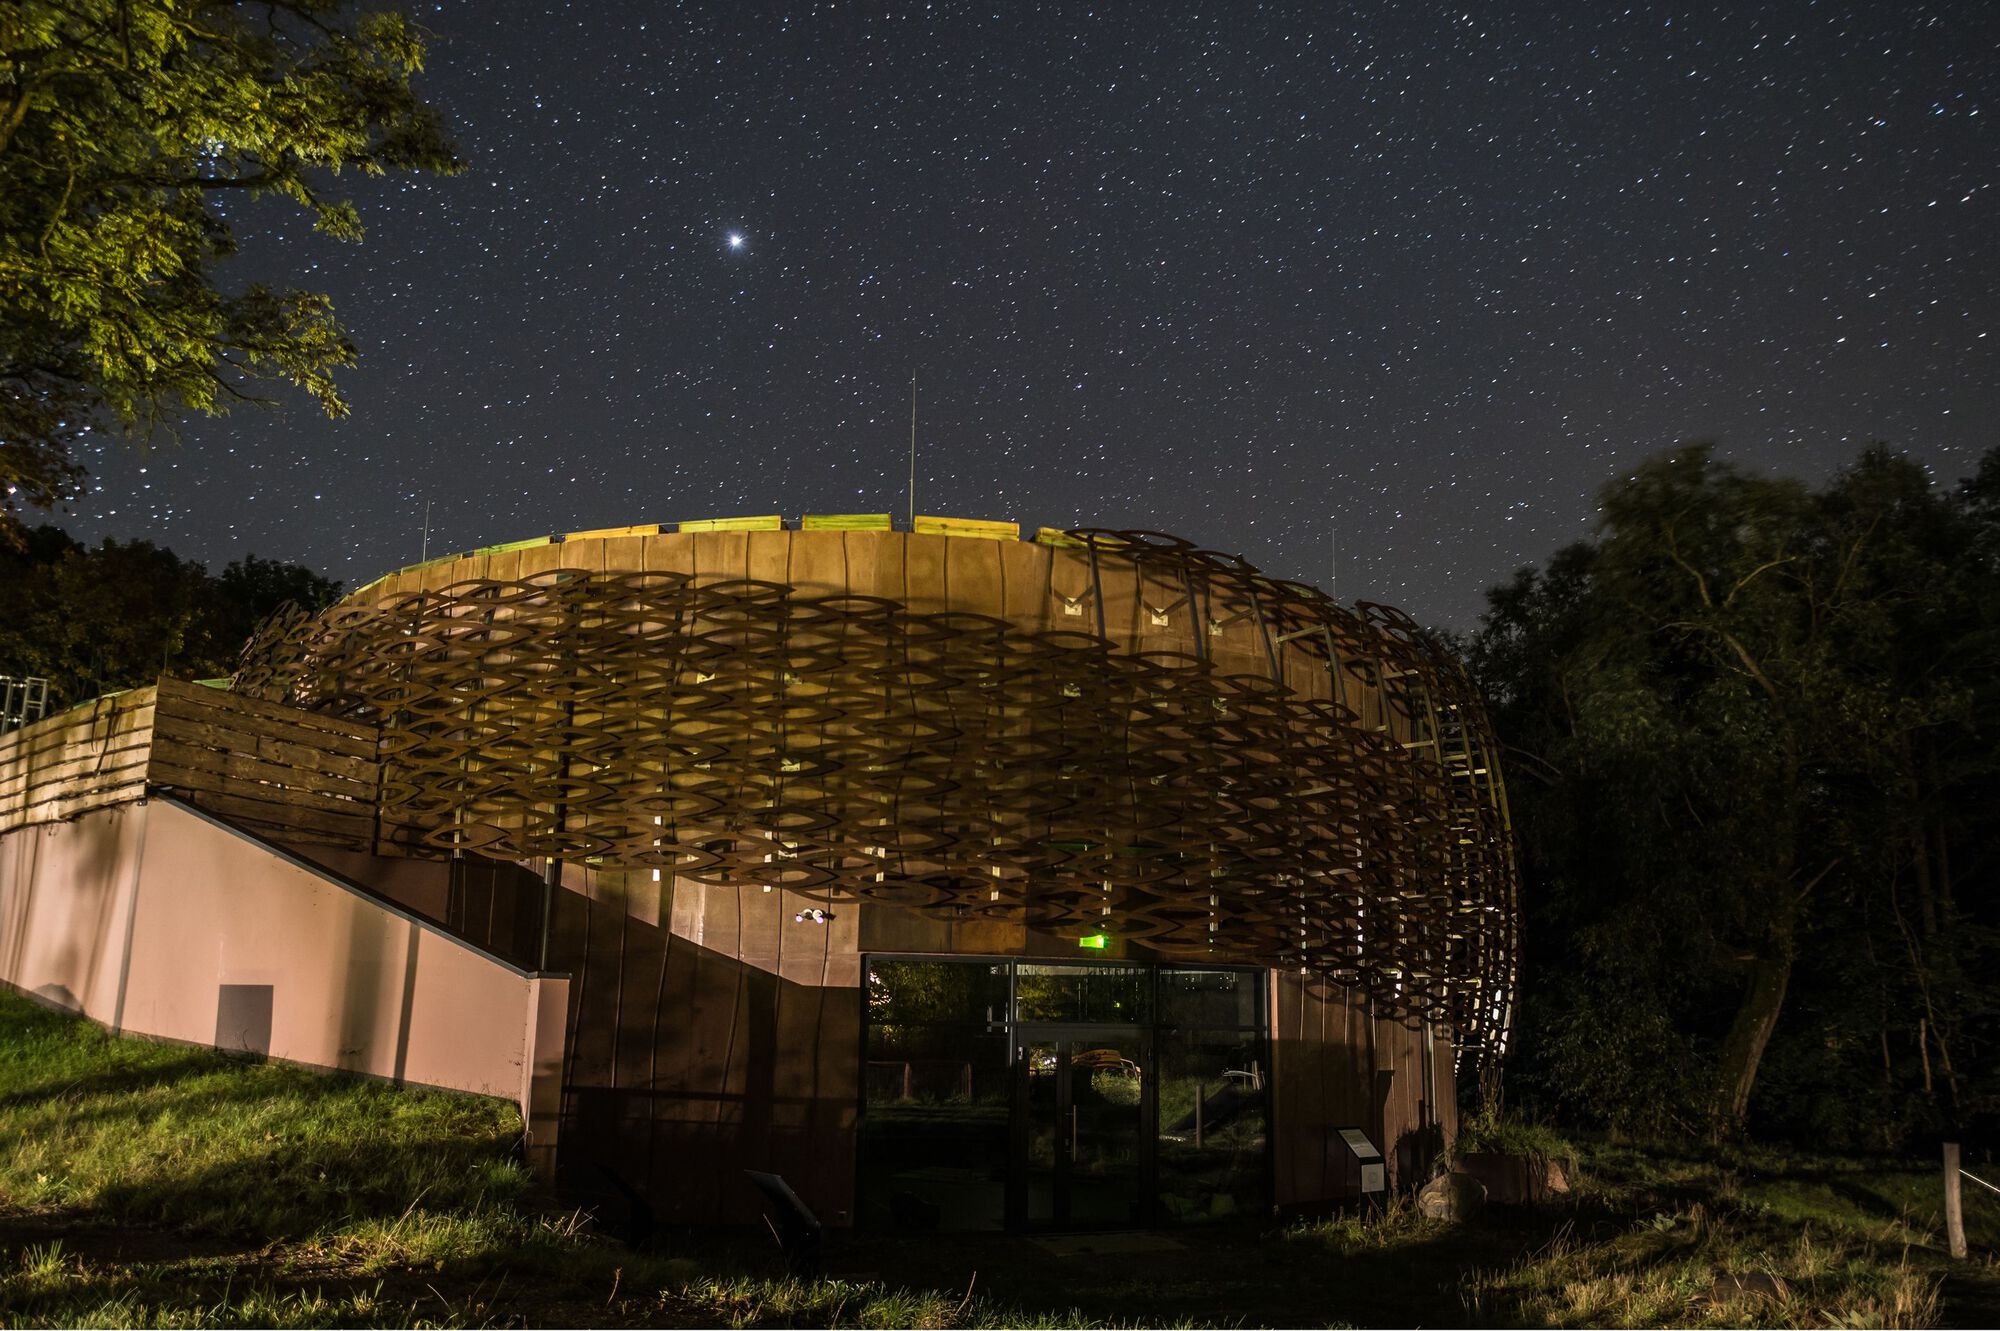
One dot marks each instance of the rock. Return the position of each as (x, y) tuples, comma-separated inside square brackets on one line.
[(1731, 1287), (1514, 1179), (1453, 1197)]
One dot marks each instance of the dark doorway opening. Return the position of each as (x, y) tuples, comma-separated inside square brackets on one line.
[(1042, 1094), (1082, 1153)]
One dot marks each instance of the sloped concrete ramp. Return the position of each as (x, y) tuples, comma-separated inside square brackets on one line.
[(159, 919)]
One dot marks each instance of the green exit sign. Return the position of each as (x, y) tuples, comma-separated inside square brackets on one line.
[(1095, 942)]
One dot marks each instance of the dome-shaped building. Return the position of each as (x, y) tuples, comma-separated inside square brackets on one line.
[(961, 879)]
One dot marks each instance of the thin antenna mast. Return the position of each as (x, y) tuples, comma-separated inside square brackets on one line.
[(424, 558), (913, 452)]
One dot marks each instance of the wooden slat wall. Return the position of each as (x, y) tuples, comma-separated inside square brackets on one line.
[(86, 758), (290, 774), (1340, 1064)]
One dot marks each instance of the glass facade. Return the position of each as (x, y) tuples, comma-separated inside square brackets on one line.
[(1056, 1094)]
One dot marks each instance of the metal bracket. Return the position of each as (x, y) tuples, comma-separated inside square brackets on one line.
[(1073, 605)]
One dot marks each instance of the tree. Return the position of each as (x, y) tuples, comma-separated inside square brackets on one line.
[(117, 616), (122, 123), (1728, 713)]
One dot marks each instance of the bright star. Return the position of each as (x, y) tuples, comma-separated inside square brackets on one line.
[(735, 240)]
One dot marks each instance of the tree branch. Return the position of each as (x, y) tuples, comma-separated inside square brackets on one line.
[(1745, 580), (1674, 553), (1815, 880)]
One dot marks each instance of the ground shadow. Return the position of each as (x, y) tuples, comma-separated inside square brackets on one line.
[(122, 1081), (1237, 1274)]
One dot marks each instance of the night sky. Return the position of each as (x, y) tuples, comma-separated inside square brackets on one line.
[(1429, 275)]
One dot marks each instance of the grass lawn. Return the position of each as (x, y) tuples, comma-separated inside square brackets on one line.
[(151, 1184)]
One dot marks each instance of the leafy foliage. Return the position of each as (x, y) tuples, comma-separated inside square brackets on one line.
[(1752, 731), (117, 616), (123, 123)]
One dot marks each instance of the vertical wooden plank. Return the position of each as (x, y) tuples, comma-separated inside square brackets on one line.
[(714, 1086), (818, 562), (1125, 616), (685, 909), (595, 984), (758, 914), (669, 552), (676, 1028), (767, 555), (843, 954), (719, 556), (619, 554), (924, 590), (1324, 1014), (972, 578), (721, 924), (1024, 582), (543, 559), (1446, 1085), (874, 563)]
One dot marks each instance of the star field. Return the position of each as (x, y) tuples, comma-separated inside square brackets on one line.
[(1429, 275)]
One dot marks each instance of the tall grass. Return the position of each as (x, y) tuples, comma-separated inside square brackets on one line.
[(146, 1184), (1696, 1269), (287, 1197), (133, 1131)]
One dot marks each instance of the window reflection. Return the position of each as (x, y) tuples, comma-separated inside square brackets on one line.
[(1055, 992), (1208, 997), (1166, 1123), (900, 992), (935, 1147), (1211, 1149)]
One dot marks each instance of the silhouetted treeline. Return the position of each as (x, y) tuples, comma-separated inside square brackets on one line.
[(1753, 747), (119, 614)]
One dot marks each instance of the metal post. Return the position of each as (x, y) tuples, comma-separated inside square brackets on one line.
[(1197, 610), (551, 875), (1096, 586), (1264, 631), (1954, 1214)]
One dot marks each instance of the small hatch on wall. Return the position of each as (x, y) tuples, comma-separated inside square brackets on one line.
[(1374, 1174), (243, 1019)]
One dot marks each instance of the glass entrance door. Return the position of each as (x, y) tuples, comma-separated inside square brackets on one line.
[(1083, 1153)]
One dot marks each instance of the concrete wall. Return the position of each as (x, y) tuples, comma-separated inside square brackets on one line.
[(158, 920)]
